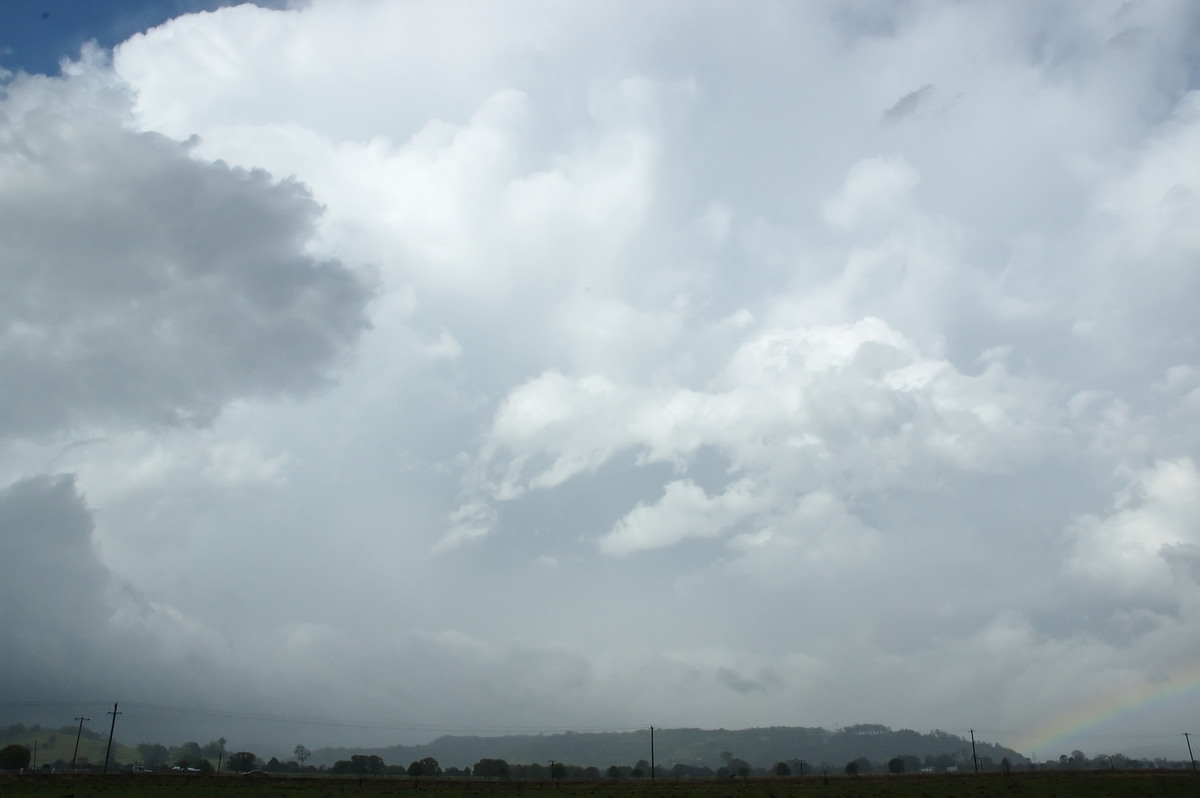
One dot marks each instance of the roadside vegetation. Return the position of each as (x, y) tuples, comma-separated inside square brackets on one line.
[(1034, 784)]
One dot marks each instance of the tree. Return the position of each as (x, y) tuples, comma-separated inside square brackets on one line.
[(301, 753), (852, 768), (895, 765), (242, 761), (366, 765), (416, 770), (153, 754), (15, 757), (781, 769), (613, 772), (866, 728), (430, 767), (491, 769)]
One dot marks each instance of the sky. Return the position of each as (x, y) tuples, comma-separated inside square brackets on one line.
[(380, 370)]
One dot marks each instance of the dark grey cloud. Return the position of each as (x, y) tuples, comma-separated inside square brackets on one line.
[(74, 631), (144, 285), (906, 105), (765, 681)]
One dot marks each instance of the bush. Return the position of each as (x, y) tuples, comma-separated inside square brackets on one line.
[(15, 757)]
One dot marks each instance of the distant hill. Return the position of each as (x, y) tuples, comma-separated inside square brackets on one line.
[(58, 744), (761, 748)]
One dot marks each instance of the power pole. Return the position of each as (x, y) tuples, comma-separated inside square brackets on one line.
[(651, 753), (111, 729), (973, 757), (35, 742), (1189, 742), (78, 734)]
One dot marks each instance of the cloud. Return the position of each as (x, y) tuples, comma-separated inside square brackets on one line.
[(382, 345), (1146, 543), (146, 286), (906, 105), (684, 511), (78, 618), (730, 678), (148, 291)]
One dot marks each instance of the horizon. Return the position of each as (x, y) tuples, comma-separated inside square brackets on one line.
[(278, 747)]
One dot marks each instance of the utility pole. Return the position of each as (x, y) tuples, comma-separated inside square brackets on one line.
[(1189, 742), (35, 742), (77, 736), (973, 757), (651, 753), (111, 729)]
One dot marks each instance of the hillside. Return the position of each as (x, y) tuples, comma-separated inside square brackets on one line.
[(761, 748), (58, 744)]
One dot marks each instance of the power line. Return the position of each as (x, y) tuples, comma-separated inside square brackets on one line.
[(339, 722), (366, 724)]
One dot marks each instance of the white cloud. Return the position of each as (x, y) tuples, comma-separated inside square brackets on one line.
[(874, 194), (684, 511), (1129, 552)]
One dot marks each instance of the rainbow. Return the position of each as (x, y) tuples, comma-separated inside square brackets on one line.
[(1091, 718)]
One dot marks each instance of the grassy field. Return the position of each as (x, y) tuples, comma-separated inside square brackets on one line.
[(1101, 784)]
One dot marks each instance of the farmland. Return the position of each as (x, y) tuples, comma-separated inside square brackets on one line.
[(1057, 784)]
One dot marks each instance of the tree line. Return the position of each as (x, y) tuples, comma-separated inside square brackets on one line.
[(213, 757)]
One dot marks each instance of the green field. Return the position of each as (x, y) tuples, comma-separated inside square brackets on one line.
[(1102, 784)]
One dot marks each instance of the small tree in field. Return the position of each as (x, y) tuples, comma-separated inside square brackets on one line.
[(14, 757), (242, 761), (301, 753)]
